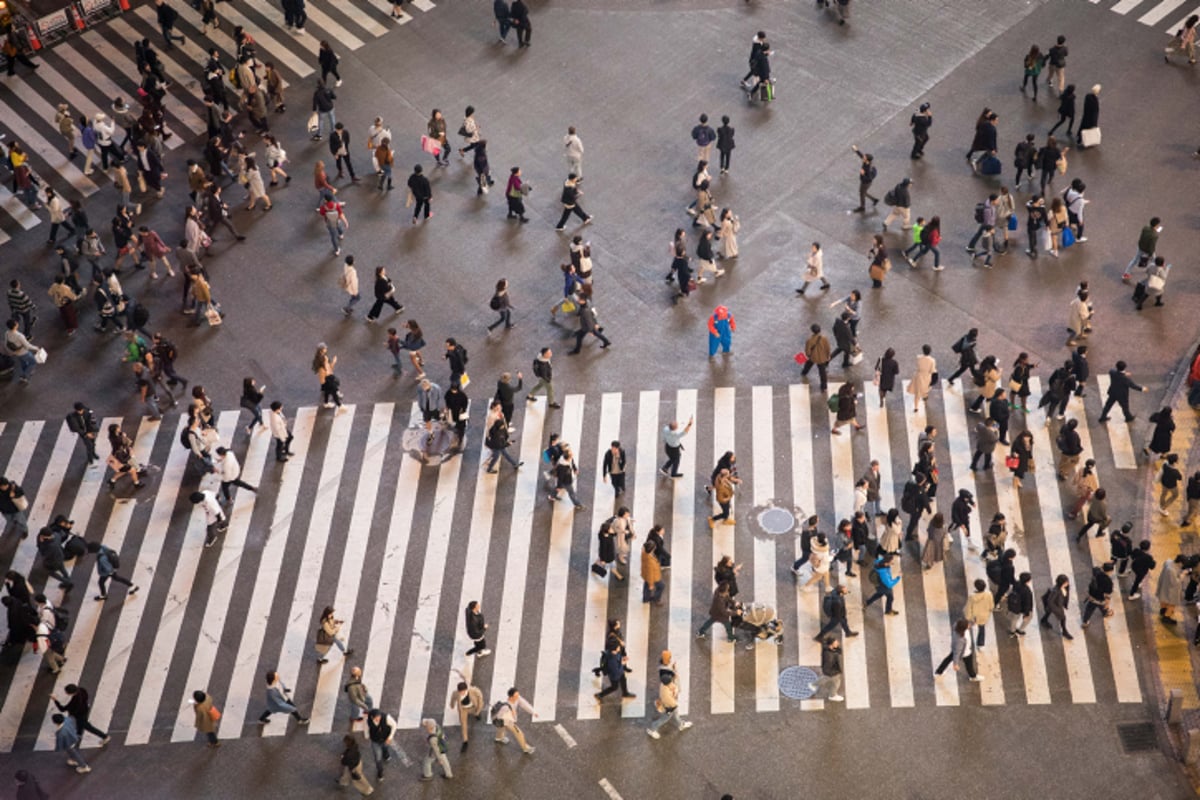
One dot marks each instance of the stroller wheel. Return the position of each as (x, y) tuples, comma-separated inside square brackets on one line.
[(779, 639)]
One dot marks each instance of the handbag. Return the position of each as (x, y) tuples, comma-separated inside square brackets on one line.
[(600, 570), (465, 381), (314, 124), (568, 306), (1014, 385), (1154, 282), (1068, 237), (212, 316), (41, 355), (431, 146), (878, 375), (1012, 461), (22, 502), (1062, 165), (856, 357), (214, 714), (1089, 137), (1012, 222), (692, 285), (934, 379), (324, 637), (801, 358)]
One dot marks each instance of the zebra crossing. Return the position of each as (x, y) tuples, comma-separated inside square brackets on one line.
[(1155, 13), (399, 548), (89, 70)]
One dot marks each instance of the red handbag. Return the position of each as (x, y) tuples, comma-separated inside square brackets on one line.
[(801, 358), (1012, 461)]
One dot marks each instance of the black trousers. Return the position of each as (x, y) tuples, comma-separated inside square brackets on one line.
[(422, 203), (671, 466), (235, 482), (349, 167), (919, 141), (380, 302), (89, 445), (822, 370), (725, 154), (1124, 404), (576, 209), (283, 447), (479, 646), (620, 684), (618, 482)]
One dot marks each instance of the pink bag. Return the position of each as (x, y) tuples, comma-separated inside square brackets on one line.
[(431, 146)]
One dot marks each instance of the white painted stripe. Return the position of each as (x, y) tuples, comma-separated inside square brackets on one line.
[(142, 573), (270, 48), (391, 573), (85, 65), (18, 462), (604, 784), (723, 680), (1033, 662), (595, 609), (808, 612), (991, 689), (304, 615), (18, 210), (354, 550), (1156, 14), (333, 31), (937, 604), (1182, 21), (35, 144), (1058, 551), (1118, 431), (433, 573), (4, 237), (171, 619), (224, 584), (558, 572), (1120, 646), (386, 6), (528, 491), (637, 617), (246, 674), (42, 503), (1125, 6), (568, 740), (361, 18), (474, 571), (680, 632), (83, 626), (879, 445), (424, 5), (767, 653), (854, 651)]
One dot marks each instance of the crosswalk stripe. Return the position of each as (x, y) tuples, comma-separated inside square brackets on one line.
[(1118, 431), (938, 616), (386, 5), (1125, 6), (637, 617), (1160, 11), (120, 647), (1054, 535), (1116, 630), (83, 626), (391, 573), (723, 683), (895, 629), (22, 453), (474, 571), (224, 583), (329, 682), (808, 614), (18, 210), (516, 564), (362, 18), (1033, 664), (310, 42), (298, 636), (424, 5), (991, 689), (680, 630), (766, 652), (271, 48), (596, 592), (171, 618), (36, 144), (119, 62), (43, 502), (557, 573), (258, 615), (424, 630)]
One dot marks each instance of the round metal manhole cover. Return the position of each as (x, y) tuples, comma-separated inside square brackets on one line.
[(776, 520), (796, 682)]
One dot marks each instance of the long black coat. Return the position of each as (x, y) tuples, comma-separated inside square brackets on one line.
[(1091, 112)]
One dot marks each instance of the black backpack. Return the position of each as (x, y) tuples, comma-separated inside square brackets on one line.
[(62, 618), (889, 197), (495, 304), (908, 500), (462, 353), (993, 570), (979, 213), (496, 706), (57, 642)]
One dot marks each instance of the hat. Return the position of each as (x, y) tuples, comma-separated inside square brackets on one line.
[(924, 106)]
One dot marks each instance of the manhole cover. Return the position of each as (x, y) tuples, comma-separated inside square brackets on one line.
[(776, 520), (1138, 737), (794, 682)]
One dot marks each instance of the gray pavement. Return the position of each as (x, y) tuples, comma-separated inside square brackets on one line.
[(632, 77)]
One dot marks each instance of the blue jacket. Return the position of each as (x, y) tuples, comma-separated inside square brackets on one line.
[(66, 736), (885, 574)]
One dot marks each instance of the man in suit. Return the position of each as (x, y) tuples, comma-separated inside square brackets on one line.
[(82, 421), (614, 467), (520, 21), (1118, 392)]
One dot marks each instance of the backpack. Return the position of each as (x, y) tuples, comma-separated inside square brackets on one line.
[(495, 304), (908, 500), (979, 213), (167, 348), (113, 558), (889, 197), (185, 438), (958, 346), (1046, 599), (873, 577), (496, 706), (62, 618), (1014, 602), (57, 642), (993, 570), (462, 353), (827, 605)]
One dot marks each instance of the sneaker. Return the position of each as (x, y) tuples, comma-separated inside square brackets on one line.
[(683, 726), (837, 698), (1134, 596), (977, 679), (83, 770), (100, 597), (653, 734), (483, 653), (304, 721), (528, 751)]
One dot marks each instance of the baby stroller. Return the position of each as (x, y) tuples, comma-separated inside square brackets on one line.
[(758, 620)]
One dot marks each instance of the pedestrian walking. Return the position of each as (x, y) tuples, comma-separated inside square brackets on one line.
[(1120, 384), (725, 144), (588, 326), (107, 562), (468, 700), (817, 352), (520, 22), (214, 517), (1169, 589), (1184, 41), (352, 773), (704, 136), (920, 123), (483, 170), (1169, 479), (66, 740), (543, 370), (565, 471), (1020, 605), (831, 670), (514, 194), (667, 703), (900, 201), (924, 377), (476, 630), (83, 423), (1070, 448), (1033, 63), (279, 700), (720, 610), (1056, 64), (1100, 589), (359, 696), (814, 269), (435, 739), (1141, 563), (721, 326), (503, 15), (984, 143), (573, 147), (333, 214), (1088, 134), (866, 176), (570, 202), (497, 441), (963, 651), (505, 716), (885, 582), (834, 606), (421, 193), (78, 706), (207, 715), (672, 437), (280, 432)]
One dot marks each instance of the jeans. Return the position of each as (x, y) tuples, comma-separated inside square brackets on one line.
[(666, 716), (652, 592), (496, 455), (980, 639), (20, 522), (325, 118), (708, 623), (349, 307), (505, 319), (336, 231), (382, 752), (883, 591), (504, 24), (1090, 607), (831, 625), (25, 365), (922, 249), (671, 466), (338, 643)]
